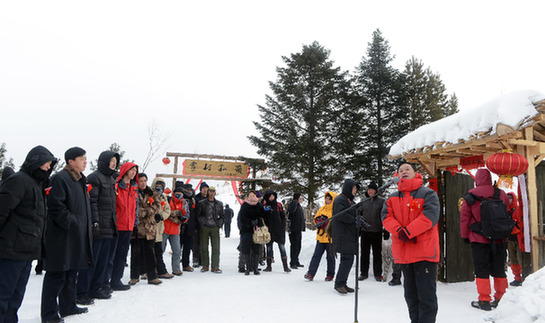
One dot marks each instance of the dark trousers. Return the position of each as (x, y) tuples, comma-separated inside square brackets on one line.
[(120, 258), (186, 243), (281, 247), (421, 291), (489, 261), (13, 279), (59, 285), (344, 269), (196, 248), (90, 280), (227, 229), (143, 258), (317, 256), (396, 271), (295, 247), (371, 240), (161, 267), (110, 265)]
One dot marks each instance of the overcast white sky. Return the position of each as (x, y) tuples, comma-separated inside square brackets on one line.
[(94, 73)]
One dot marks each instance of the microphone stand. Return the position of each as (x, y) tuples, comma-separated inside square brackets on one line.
[(356, 206)]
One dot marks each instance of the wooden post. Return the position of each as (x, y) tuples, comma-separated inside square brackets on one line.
[(532, 197)]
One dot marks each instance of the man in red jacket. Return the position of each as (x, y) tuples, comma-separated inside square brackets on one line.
[(487, 261), (411, 216)]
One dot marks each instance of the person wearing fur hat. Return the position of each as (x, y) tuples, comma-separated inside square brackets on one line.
[(371, 235), (203, 195), (296, 225), (411, 215), (67, 237), (22, 205), (159, 185)]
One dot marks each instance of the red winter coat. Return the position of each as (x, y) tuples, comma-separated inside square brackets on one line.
[(177, 209), (415, 209), (472, 214), (126, 201), (516, 214)]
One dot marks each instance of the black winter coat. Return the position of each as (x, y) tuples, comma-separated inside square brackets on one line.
[(249, 213), (371, 213), (213, 207), (275, 218), (344, 232), (23, 209), (102, 196), (68, 235), (296, 216), (228, 213)]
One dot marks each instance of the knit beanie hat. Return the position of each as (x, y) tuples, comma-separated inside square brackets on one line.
[(73, 153)]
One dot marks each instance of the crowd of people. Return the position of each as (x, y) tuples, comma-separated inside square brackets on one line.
[(81, 229)]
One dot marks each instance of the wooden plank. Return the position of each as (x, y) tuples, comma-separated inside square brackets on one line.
[(216, 178), (532, 198), (538, 135)]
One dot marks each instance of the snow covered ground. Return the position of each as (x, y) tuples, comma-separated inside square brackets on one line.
[(285, 297)]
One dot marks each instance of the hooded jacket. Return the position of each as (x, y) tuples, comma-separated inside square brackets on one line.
[(471, 214), (324, 211), (126, 202), (343, 227), (23, 209), (275, 218), (415, 209), (516, 214), (68, 235), (103, 196), (164, 211)]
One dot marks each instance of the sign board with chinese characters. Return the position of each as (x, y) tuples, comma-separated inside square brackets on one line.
[(215, 168)]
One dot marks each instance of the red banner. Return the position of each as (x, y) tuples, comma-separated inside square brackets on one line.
[(472, 162), (434, 185)]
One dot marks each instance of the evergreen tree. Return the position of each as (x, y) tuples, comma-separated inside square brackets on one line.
[(426, 96), (380, 87), (4, 161), (296, 126), (116, 148)]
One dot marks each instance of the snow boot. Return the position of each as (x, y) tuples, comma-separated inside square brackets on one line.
[(517, 271), (500, 285), (482, 305), (285, 264), (255, 266), (248, 263), (269, 262), (484, 290)]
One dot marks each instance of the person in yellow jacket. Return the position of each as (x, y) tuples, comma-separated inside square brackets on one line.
[(323, 241)]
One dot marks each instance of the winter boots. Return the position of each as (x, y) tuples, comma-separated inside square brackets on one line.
[(485, 302), (285, 264), (252, 264), (517, 271), (269, 262)]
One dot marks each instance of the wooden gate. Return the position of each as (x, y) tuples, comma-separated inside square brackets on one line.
[(456, 254)]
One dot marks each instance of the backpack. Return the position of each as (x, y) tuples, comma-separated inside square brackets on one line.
[(496, 222)]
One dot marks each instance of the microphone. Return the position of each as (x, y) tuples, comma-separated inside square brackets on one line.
[(391, 181)]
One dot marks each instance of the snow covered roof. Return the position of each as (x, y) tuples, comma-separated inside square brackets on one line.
[(513, 110)]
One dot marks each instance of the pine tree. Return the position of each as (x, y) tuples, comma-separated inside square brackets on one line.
[(380, 87), (4, 161), (296, 126), (426, 96)]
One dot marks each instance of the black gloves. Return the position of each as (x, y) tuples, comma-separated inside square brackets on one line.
[(158, 217), (361, 223), (95, 230), (386, 235)]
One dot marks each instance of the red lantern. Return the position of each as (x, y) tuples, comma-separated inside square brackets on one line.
[(168, 191), (166, 161), (507, 164)]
